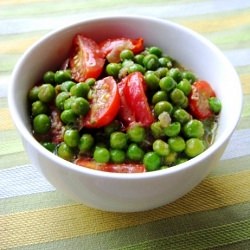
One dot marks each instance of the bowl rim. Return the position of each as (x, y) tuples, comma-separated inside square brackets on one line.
[(28, 137)]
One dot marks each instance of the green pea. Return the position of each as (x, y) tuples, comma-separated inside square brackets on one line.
[(139, 59), (177, 96), (65, 152), (189, 76), (161, 72), (68, 102), (80, 90), (194, 128), (46, 93), (118, 140), (71, 137), (62, 76), (101, 155), (194, 147), (33, 93), (80, 106), (134, 152), (152, 161), (41, 124), (166, 62), (67, 85), (49, 146), (181, 160), (126, 54), (60, 100), (86, 142), (151, 62), (68, 116), (39, 107), (152, 80), (158, 96), (157, 130), (155, 50), (135, 68), (170, 159), (136, 133), (185, 86), (215, 104), (113, 69), (117, 155), (90, 81), (161, 147), (176, 144), (173, 129), (163, 106), (181, 115), (112, 127), (49, 77), (176, 74), (167, 83)]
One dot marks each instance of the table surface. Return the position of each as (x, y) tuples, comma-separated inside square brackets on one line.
[(216, 214)]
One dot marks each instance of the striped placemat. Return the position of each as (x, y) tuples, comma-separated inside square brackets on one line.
[(215, 215)]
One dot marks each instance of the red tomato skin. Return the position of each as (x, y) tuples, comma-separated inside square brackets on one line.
[(111, 48), (86, 59), (111, 167), (134, 92), (198, 100), (104, 105), (125, 112)]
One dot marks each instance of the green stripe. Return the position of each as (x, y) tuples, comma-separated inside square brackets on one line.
[(201, 239), (14, 159), (33, 202), (12, 142), (246, 106), (3, 103), (203, 230), (7, 62), (233, 39), (66, 7)]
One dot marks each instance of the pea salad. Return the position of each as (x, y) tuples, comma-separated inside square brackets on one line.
[(119, 106)]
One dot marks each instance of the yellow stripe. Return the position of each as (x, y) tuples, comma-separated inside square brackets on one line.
[(6, 121), (245, 80), (10, 47), (64, 222), (224, 22)]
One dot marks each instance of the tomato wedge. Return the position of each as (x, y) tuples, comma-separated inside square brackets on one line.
[(125, 112), (105, 103), (111, 48), (198, 100), (111, 167), (134, 92), (86, 59)]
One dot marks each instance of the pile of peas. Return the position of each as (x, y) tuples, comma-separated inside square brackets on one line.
[(173, 138)]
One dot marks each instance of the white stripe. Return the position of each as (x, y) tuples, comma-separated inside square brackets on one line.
[(22, 180), (236, 149), (239, 57), (21, 25)]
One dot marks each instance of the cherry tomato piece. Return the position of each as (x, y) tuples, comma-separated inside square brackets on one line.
[(104, 105), (111, 167), (125, 112), (86, 59), (111, 48), (198, 100), (136, 98)]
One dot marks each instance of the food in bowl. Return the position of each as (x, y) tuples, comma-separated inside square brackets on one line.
[(121, 106), (135, 191)]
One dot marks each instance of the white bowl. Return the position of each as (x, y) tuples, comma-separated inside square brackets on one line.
[(127, 192)]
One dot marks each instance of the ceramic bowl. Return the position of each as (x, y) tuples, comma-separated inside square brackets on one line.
[(115, 191)]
